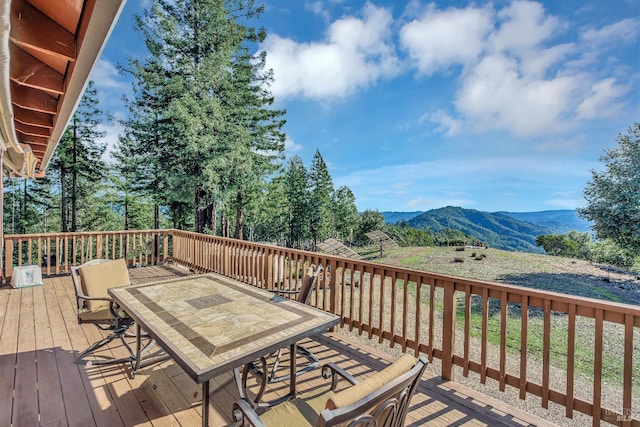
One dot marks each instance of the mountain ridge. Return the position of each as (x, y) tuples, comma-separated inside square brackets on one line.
[(514, 231)]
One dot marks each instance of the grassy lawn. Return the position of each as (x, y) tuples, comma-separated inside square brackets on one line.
[(542, 272)]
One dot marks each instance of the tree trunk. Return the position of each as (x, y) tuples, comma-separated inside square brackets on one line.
[(74, 178), (156, 217), (239, 216), (196, 220), (214, 218), (64, 220)]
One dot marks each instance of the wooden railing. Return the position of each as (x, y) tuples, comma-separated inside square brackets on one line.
[(56, 252), (541, 343)]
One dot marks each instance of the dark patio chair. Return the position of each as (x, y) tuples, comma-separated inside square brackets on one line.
[(92, 281), (260, 368), (380, 400)]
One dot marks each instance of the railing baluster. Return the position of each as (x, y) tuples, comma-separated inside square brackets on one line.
[(418, 329), (628, 368), (485, 337), (524, 326), (432, 315), (503, 339), (571, 356), (467, 329), (597, 368), (546, 344)]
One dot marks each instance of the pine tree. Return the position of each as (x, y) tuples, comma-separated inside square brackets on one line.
[(321, 187), (224, 134), (296, 184), (345, 214), (77, 164)]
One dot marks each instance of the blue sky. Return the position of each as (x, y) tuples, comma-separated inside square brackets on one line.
[(495, 106)]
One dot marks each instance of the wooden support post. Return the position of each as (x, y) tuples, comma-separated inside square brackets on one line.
[(448, 330)]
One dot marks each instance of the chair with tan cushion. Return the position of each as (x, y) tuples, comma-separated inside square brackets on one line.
[(380, 400), (92, 281)]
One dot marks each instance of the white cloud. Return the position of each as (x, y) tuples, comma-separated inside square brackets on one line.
[(438, 40), (496, 96), (356, 53), (523, 27), (445, 123), (290, 146), (514, 76), (601, 100), (112, 131), (318, 8), (105, 75), (625, 30)]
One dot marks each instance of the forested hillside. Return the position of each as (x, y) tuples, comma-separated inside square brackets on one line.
[(559, 221), (497, 230)]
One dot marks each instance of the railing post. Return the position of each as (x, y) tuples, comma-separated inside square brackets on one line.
[(269, 268), (448, 330), (8, 259)]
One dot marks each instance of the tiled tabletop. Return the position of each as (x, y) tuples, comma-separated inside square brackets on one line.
[(210, 324)]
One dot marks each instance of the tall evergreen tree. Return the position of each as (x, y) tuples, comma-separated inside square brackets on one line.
[(218, 111), (145, 154), (296, 184), (345, 214), (77, 164), (321, 203)]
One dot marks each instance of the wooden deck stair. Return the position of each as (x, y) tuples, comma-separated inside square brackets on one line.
[(41, 385)]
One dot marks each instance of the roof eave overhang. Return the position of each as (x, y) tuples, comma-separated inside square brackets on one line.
[(100, 17)]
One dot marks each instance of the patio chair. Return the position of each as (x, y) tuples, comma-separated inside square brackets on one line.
[(92, 280), (380, 400), (259, 368)]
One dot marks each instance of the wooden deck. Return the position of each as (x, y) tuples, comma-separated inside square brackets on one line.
[(41, 385)]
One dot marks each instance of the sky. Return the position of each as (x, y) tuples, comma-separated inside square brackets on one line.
[(494, 106)]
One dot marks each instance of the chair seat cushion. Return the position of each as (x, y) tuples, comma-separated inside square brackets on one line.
[(98, 316), (356, 392), (97, 279), (299, 412)]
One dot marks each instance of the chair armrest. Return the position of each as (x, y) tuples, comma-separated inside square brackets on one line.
[(243, 412), (84, 297), (333, 371)]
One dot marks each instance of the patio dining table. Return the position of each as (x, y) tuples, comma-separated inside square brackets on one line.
[(210, 324)]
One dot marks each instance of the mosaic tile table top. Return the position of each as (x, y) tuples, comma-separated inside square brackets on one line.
[(210, 324)]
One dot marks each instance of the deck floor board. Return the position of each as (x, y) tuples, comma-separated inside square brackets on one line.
[(40, 383)]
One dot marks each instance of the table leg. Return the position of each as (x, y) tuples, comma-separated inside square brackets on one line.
[(292, 371), (138, 348), (205, 404)]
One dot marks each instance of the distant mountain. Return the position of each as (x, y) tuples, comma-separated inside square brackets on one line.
[(393, 217), (498, 230), (515, 231), (560, 221)]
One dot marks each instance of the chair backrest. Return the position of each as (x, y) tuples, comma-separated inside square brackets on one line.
[(95, 277), (308, 283), (381, 400)]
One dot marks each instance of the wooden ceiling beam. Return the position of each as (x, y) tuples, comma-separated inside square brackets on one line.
[(33, 99), (32, 29), (32, 118), (32, 130), (37, 140), (28, 71)]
